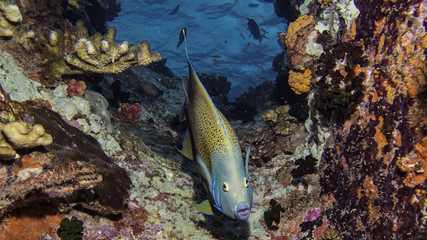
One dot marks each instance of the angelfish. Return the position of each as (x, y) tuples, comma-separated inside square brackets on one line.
[(212, 143)]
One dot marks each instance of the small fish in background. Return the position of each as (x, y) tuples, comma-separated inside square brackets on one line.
[(212, 143), (181, 36), (175, 10), (253, 5), (254, 29), (241, 34)]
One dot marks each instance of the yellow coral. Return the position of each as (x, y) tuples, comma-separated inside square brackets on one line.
[(21, 136), (6, 150), (300, 81), (10, 16), (101, 54), (305, 21), (97, 53), (270, 115), (281, 119)]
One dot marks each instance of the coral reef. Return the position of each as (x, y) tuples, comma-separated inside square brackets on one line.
[(17, 135), (70, 164), (252, 102), (70, 229), (300, 81), (9, 17), (297, 39), (131, 111), (280, 118), (273, 215), (21, 136), (75, 88), (93, 54)]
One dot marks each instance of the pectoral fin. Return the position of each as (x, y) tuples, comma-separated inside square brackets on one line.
[(204, 171), (204, 207), (248, 151)]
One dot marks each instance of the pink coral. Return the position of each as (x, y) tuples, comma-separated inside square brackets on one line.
[(75, 88), (131, 111), (312, 214)]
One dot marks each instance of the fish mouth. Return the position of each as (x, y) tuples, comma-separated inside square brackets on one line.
[(242, 211)]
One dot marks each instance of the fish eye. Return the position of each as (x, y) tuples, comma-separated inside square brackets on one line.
[(225, 186), (246, 181)]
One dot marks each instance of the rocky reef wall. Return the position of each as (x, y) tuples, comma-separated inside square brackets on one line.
[(367, 91)]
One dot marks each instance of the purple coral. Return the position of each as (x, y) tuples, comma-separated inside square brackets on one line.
[(312, 214)]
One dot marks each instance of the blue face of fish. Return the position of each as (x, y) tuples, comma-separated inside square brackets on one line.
[(231, 189)]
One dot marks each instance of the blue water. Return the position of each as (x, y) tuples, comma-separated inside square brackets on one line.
[(218, 36)]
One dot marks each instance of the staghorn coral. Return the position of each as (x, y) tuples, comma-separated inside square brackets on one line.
[(21, 136), (300, 81)]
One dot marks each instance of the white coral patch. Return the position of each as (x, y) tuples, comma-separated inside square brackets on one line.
[(53, 38), (90, 47), (27, 173), (124, 47), (105, 45), (11, 12)]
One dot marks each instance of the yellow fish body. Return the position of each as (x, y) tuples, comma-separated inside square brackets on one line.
[(211, 141)]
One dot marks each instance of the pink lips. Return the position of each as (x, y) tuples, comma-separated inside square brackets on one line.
[(243, 213)]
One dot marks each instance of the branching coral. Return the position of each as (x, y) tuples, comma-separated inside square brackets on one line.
[(93, 54)]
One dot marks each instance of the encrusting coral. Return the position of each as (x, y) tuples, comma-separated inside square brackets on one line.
[(300, 81), (281, 119)]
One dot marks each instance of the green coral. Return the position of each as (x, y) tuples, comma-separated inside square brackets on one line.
[(70, 229), (79, 53)]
